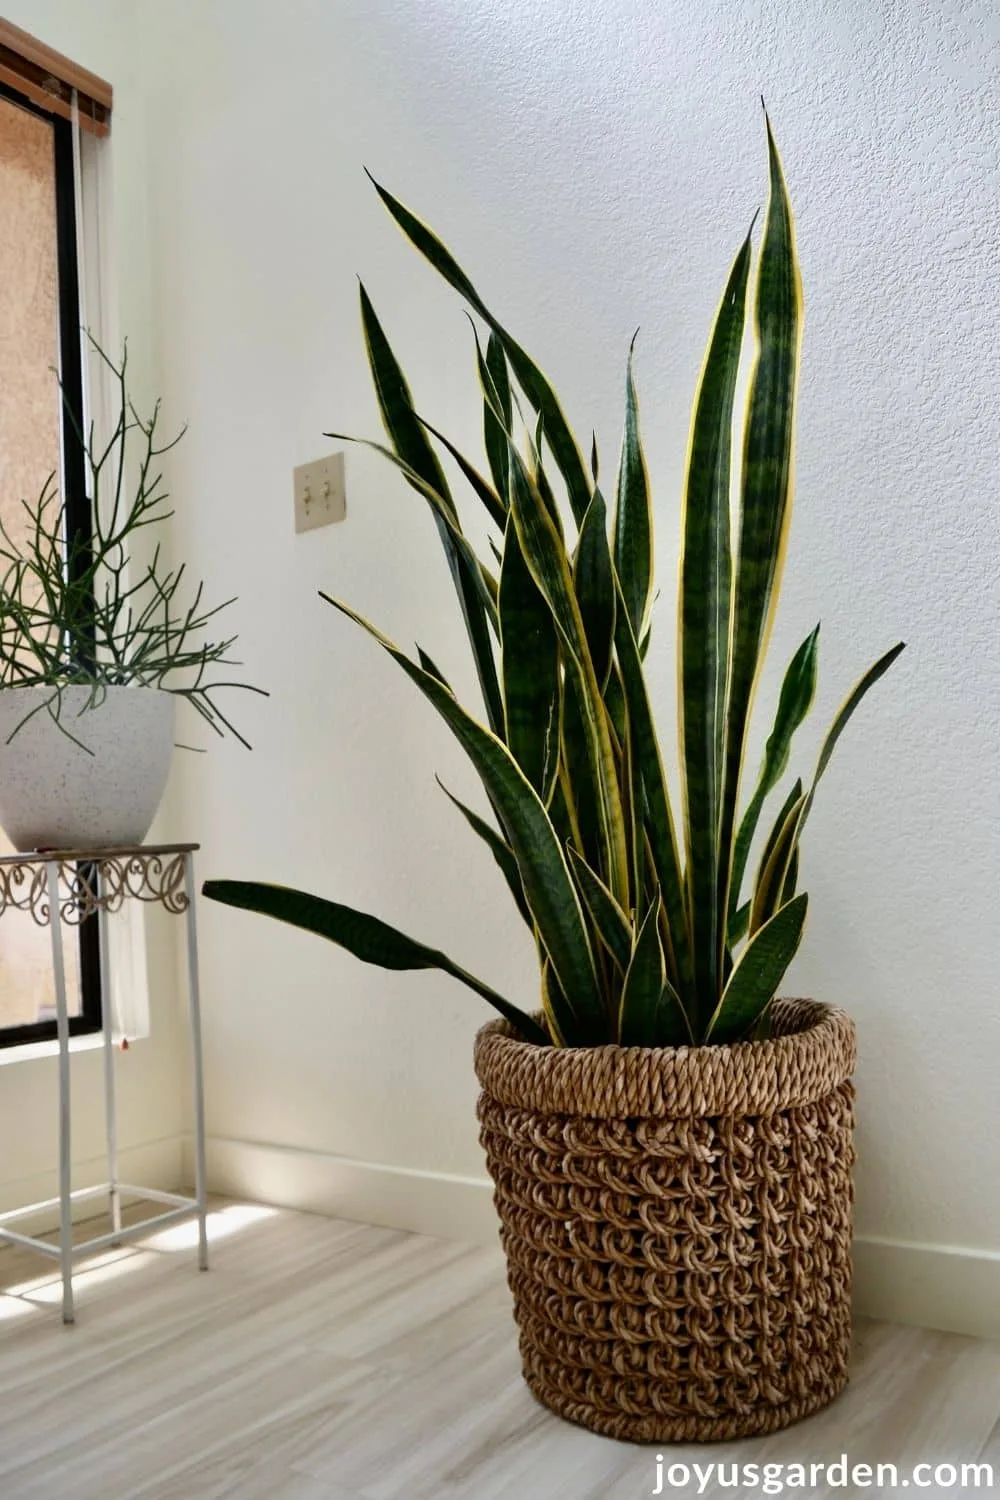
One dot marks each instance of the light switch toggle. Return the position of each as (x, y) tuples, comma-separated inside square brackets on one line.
[(319, 492)]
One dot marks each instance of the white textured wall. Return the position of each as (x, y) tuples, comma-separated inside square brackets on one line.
[(595, 165), (100, 35)]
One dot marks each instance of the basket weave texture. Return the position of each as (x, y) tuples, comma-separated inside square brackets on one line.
[(677, 1224)]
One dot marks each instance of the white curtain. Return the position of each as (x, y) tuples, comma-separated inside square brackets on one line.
[(99, 313)]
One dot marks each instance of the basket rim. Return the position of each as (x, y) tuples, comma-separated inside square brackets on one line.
[(814, 1053)]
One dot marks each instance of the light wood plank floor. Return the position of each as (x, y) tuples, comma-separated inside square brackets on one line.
[(322, 1360)]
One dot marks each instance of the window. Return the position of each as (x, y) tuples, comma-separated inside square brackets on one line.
[(39, 333)]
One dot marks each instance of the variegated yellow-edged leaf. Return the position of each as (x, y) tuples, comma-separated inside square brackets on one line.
[(610, 922), (593, 577), (704, 603), (770, 882), (759, 970), (529, 668), (476, 572), (546, 558), (798, 689), (766, 491), (650, 794), (491, 501), (651, 1014), (498, 412), (534, 384), (548, 885), (644, 981), (498, 846), (366, 937), (775, 875), (633, 528), (412, 446)]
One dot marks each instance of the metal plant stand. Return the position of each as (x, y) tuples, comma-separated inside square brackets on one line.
[(65, 886)]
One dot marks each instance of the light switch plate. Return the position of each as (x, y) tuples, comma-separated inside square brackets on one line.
[(320, 496)]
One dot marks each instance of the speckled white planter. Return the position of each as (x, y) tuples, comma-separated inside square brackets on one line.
[(53, 795)]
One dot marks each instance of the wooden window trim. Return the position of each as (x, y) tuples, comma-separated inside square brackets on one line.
[(48, 79)]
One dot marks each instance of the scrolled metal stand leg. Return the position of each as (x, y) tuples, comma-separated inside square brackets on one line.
[(194, 1012), (62, 1028), (110, 1108)]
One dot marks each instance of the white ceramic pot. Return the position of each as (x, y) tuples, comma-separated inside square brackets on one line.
[(53, 795)]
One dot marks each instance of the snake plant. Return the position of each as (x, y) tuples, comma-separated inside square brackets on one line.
[(647, 928)]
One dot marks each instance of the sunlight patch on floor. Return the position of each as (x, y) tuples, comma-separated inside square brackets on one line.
[(220, 1224)]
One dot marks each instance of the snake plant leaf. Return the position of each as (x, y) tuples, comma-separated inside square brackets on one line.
[(498, 847), (851, 702), (366, 937), (558, 1016), (792, 878), (595, 458), (738, 929), (614, 695), (633, 526), (644, 981), (798, 689), (546, 558), (548, 885), (575, 765), (476, 572), (705, 587), (609, 921), (430, 665), (770, 882), (649, 791), (411, 444), (766, 499), (498, 412), (782, 857), (444, 514), (529, 667), (593, 577), (541, 479), (758, 972), (534, 384), (396, 404), (492, 503)]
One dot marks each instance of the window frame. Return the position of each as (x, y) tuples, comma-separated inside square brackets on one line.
[(78, 513)]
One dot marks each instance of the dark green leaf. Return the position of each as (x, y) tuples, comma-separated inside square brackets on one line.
[(492, 503), (797, 692), (368, 938), (548, 886), (770, 880), (633, 548), (775, 871), (706, 581), (643, 987), (529, 665), (593, 578), (500, 850), (546, 558), (650, 784), (531, 379), (610, 922), (410, 442), (760, 969), (765, 510)]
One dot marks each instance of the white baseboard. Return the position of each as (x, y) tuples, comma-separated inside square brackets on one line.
[(155, 1164), (434, 1203), (932, 1286)]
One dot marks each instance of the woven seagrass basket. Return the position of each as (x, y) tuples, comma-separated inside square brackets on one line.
[(677, 1224)]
